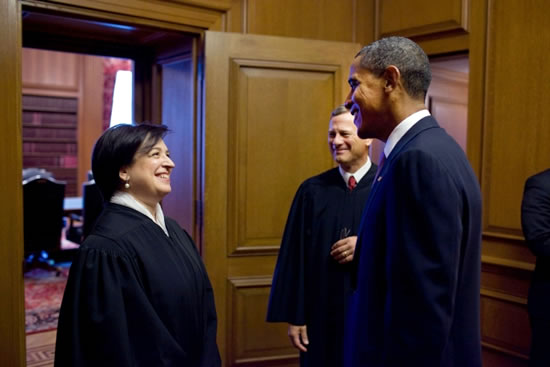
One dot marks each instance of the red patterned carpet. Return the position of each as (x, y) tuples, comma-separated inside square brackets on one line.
[(43, 294)]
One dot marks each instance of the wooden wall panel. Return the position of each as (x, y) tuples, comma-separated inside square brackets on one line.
[(265, 171), (155, 13), (253, 341), (12, 307), (516, 128), (507, 142), (505, 325), (209, 4), (439, 27), (331, 20), (328, 20), (421, 17), (507, 280), (51, 70), (494, 357)]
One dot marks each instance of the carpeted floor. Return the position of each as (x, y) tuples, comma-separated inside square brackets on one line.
[(43, 295)]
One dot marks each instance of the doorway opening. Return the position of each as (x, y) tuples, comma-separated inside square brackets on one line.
[(164, 81)]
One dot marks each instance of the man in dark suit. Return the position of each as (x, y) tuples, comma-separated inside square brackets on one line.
[(417, 261), (535, 221)]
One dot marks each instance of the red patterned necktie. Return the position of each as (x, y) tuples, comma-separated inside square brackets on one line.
[(352, 183)]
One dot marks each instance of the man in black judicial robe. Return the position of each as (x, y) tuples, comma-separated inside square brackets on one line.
[(311, 281)]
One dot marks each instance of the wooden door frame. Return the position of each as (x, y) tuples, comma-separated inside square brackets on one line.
[(12, 315)]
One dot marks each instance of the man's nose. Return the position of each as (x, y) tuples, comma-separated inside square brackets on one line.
[(348, 103)]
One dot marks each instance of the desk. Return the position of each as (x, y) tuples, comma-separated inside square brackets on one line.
[(72, 204)]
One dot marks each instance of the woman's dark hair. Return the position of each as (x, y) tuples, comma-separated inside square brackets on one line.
[(117, 148)]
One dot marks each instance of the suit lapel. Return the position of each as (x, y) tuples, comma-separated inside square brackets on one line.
[(424, 124)]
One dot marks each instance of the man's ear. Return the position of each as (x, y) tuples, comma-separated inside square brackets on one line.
[(368, 142), (392, 76)]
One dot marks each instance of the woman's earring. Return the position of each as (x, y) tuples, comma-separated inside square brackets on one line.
[(127, 184)]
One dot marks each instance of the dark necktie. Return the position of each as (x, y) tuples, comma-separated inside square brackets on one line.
[(380, 164), (352, 183)]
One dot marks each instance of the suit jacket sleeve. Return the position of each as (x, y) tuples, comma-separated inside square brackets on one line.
[(535, 214), (422, 259)]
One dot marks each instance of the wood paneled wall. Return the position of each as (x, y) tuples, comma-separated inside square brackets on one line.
[(56, 72), (62, 74), (12, 308), (508, 127), (508, 134), (438, 26), (329, 20), (421, 17)]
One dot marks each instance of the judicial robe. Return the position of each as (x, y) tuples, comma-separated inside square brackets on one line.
[(310, 287), (136, 297)]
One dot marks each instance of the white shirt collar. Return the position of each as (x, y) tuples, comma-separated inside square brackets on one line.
[(357, 174), (127, 200), (401, 129)]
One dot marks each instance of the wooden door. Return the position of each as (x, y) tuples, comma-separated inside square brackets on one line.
[(447, 97), (267, 102), (173, 101)]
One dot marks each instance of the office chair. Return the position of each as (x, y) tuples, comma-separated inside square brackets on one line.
[(34, 171), (42, 218), (91, 209)]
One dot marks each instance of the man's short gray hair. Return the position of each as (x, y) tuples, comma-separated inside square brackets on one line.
[(340, 110), (406, 55)]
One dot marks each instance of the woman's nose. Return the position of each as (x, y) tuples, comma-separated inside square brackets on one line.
[(168, 162)]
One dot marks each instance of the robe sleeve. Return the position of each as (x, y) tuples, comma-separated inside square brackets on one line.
[(106, 318), (287, 297)]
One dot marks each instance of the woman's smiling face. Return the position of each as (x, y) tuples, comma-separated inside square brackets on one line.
[(149, 174)]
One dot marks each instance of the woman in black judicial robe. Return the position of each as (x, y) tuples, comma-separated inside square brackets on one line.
[(138, 293)]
